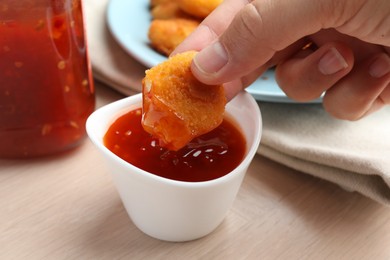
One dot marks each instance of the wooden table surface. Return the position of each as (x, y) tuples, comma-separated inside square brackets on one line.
[(66, 207)]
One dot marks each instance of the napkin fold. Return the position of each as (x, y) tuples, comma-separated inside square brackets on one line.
[(354, 155), (110, 63)]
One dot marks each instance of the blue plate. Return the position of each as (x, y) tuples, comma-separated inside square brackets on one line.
[(129, 20)]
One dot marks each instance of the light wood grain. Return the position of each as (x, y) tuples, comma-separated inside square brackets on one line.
[(66, 207)]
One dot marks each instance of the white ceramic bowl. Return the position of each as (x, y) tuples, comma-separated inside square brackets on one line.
[(168, 209)]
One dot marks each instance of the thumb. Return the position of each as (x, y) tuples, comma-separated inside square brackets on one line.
[(257, 32)]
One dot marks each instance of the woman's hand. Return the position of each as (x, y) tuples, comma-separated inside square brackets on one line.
[(337, 47)]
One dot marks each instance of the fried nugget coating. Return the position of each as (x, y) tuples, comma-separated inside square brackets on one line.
[(154, 3), (176, 106), (198, 8), (166, 35), (168, 10)]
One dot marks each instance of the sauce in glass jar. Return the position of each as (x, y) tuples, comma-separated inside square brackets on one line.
[(46, 88)]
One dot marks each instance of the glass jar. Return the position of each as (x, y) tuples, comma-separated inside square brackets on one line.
[(46, 88)]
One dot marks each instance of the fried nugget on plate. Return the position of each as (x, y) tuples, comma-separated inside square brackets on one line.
[(198, 8), (154, 3), (176, 106), (166, 35), (168, 10)]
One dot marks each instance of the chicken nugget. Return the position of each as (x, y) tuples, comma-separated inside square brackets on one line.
[(176, 106), (154, 3), (166, 35), (198, 8), (167, 11)]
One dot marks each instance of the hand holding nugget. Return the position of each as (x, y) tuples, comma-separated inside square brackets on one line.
[(348, 58), (176, 106)]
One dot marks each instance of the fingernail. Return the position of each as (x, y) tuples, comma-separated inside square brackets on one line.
[(332, 62), (211, 59), (380, 66)]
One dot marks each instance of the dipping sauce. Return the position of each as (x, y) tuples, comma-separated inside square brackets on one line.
[(206, 157), (46, 89)]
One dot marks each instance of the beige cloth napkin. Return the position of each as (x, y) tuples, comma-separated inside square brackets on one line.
[(354, 155)]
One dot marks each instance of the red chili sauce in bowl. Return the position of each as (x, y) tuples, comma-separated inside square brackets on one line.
[(206, 157)]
